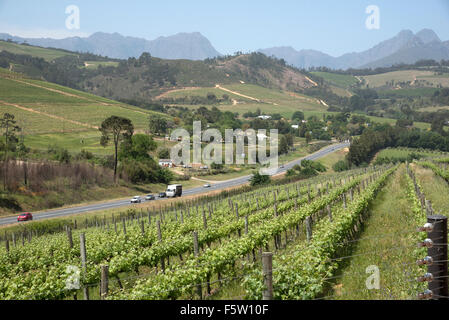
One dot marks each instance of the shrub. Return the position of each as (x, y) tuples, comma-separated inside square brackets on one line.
[(340, 166)]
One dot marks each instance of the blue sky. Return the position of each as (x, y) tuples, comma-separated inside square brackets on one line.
[(331, 26)]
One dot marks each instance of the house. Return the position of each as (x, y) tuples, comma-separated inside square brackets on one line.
[(264, 117), (295, 126), (166, 163)]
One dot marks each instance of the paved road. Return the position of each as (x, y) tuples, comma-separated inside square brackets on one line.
[(218, 186)]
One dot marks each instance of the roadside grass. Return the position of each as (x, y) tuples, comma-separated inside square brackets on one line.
[(388, 242), (87, 195), (329, 160), (435, 189)]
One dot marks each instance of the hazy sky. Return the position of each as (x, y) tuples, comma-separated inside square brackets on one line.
[(331, 26)]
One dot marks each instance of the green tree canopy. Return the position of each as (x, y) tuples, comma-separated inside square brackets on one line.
[(116, 129)]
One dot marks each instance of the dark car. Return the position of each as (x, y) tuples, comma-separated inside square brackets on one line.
[(25, 217), (162, 195), (150, 197)]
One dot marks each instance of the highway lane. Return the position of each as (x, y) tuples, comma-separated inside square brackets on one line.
[(194, 191)]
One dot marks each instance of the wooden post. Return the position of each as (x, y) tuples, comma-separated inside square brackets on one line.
[(237, 210), (142, 227), (69, 236), (196, 253), (83, 262), (329, 213), (267, 263), (7, 245), (159, 235), (104, 284), (14, 239), (309, 229), (344, 200)]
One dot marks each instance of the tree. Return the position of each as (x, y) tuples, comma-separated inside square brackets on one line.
[(258, 179), (283, 145), (157, 125), (138, 147), (163, 153), (308, 137), (298, 115), (116, 129), (9, 125)]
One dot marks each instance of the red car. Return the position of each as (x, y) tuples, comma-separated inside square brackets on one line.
[(25, 217)]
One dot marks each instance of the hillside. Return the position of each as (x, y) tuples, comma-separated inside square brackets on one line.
[(245, 97), (146, 77), (52, 114)]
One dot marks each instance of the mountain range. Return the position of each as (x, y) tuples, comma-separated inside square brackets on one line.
[(191, 46), (406, 47)]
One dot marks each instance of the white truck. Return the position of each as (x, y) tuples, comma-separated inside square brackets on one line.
[(174, 191)]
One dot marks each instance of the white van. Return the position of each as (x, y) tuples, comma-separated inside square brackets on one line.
[(174, 191)]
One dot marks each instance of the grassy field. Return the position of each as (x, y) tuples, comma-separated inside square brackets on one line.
[(329, 160), (379, 80), (404, 93), (340, 80), (435, 189), (420, 125), (387, 243), (400, 153), (47, 54), (202, 92), (252, 97)]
